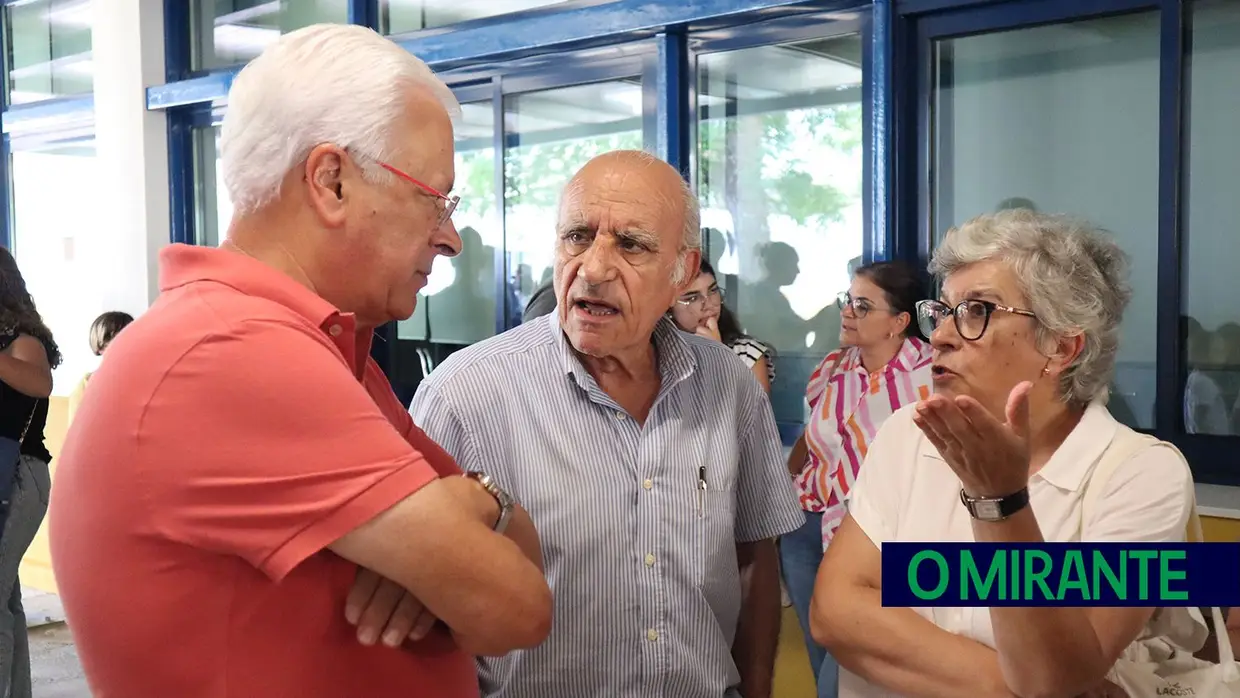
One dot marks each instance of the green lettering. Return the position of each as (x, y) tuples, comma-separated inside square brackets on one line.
[(916, 587), (1073, 576), (1166, 575), (1038, 577), (970, 577), (1102, 568), (1143, 558), (1015, 594)]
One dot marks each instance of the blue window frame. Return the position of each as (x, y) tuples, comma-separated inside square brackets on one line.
[(925, 22)]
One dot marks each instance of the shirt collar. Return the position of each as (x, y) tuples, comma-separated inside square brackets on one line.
[(181, 265), (674, 356), (1072, 461)]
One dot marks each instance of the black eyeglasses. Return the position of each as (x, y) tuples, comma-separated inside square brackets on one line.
[(860, 306), (972, 317)]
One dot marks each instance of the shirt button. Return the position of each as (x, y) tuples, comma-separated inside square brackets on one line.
[(652, 635), (650, 559), (334, 330), (647, 484), (620, 415)]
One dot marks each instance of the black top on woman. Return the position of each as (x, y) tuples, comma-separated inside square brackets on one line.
[(27, 352)]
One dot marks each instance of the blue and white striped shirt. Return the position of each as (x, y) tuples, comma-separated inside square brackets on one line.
[(647, 592)]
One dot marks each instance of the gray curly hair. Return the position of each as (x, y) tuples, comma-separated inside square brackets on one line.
[(1073, 274)]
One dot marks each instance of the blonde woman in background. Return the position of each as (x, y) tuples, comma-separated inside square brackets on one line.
[(102, 331)]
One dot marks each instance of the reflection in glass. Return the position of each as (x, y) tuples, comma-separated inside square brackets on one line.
[(458, 304), (231, 33), (1063, 119), (401, 16), (63, 250), (779, 162), (213, 209), (551, 135), (48, 46), (1212, 328)]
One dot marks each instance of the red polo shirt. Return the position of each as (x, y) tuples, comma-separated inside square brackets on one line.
[(236, 430)]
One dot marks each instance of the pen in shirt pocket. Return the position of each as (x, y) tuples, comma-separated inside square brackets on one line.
[(701, 491)]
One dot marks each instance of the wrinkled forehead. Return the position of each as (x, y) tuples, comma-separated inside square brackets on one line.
[(991, 280), (620, 200)]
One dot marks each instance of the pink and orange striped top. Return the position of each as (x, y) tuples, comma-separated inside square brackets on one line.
[(847, 406)]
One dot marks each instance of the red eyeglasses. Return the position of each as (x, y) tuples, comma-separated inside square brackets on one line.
[(450, 202)]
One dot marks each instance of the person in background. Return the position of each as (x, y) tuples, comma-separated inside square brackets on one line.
[(648, 457), (882, 364), (102, 331), (27, 356), (241, 470), (700, 310), (1025, 335)]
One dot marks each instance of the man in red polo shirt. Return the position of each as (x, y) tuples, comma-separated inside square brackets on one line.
[(238, 457)]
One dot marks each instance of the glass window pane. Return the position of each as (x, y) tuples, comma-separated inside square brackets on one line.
[(550, 135), (780, 163), (1212, 332), (230, 33), (61, 249), (458, 304), (48, 47), (401, 16), (212, 207), (1064, 119)]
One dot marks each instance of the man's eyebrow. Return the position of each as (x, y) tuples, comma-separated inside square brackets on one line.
[(638, 235)]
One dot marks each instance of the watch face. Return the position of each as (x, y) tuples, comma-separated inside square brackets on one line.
[(987, 509)]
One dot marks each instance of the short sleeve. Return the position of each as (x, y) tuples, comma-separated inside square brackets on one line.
[(1146, 500), (434, 415), (817, 384), (284, 453), (874, 501), (767, 504)]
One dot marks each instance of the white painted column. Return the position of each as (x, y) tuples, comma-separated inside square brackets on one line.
[(132, 149)]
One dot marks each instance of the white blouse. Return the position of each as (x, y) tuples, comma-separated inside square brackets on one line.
[(907, 492)]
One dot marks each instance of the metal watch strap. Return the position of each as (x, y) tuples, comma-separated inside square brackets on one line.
[(995, 508), (502, 498)]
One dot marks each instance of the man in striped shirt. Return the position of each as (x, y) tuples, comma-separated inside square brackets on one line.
[(648, 458)]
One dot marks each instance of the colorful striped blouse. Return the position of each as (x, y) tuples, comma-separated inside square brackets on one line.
[(847, 406)]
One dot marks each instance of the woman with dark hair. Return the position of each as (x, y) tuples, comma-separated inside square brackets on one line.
[(882, 365), (27, 356), (700, 310), (102, 331)]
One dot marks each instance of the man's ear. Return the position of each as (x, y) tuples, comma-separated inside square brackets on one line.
[(325, 184)]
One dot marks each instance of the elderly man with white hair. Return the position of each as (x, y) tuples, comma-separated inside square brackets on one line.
[(647, 457), (240, 456)]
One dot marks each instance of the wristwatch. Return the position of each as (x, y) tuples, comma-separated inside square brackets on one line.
[(502, 498), (995, 508)]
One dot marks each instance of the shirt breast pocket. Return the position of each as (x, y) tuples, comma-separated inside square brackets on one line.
[(714, 526)]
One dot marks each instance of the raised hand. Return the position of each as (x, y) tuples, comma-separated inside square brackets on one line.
[(990, 457)]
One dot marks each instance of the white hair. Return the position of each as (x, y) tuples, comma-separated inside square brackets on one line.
[(327, 83), (1074, 276), (691, 212)]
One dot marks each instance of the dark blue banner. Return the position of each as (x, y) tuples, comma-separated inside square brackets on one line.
[(1061, 574)]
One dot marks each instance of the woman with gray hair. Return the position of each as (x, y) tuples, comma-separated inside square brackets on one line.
[(1024, 338)]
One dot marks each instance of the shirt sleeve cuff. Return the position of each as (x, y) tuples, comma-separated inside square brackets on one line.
[(369, 503), (868, 520)]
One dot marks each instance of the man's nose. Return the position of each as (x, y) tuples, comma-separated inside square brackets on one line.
[(447, 240), (598, 263)]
